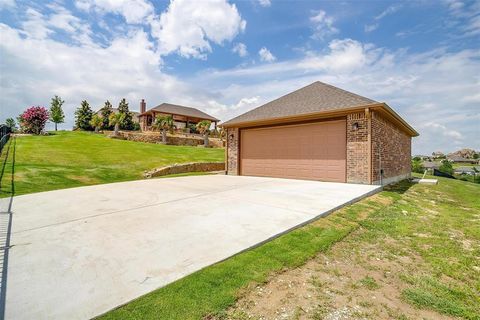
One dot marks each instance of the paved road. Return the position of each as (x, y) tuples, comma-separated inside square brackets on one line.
[(80, 252)]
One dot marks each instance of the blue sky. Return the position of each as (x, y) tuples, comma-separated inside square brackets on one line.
[(227, 57)]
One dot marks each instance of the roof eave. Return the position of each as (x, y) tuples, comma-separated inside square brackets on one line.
[(322, 115), (295, 118), (399, 119)]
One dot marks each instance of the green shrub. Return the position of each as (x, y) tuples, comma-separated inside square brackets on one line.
[(417, 166), (446, 167)]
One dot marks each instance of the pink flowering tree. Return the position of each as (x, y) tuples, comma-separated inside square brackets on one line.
[(33, 120)]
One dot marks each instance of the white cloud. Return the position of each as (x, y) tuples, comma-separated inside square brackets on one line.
[(240, 49), (265, 3), (35, 26), (64, 20), (134, 11), (466, 16), (35, 69), (371, 27), (441, 129), (455, 6), (374, 26), (7, 4), (322, 25), (345, 56), (266, 55), (474, 98), (225, 111), (390, 10), (188, 27)]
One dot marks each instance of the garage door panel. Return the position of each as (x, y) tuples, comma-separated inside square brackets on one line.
[(312, 151)]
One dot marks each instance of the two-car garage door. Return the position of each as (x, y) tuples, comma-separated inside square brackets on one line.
[(314, 151)]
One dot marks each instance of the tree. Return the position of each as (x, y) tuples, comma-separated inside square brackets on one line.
[(446, 167), (83, 116), (164, 123), (204, 128), (96, 122), (222, 133), (105, 113), (127, 122), (10, 123), (115, 120), (56, 112), (33, 120), (417, 166)]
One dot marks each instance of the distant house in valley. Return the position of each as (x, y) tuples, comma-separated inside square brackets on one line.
[(430, 166), (458, 159), (438, 155), (423, 158), (135, 114), (183, 116), (465, 170)]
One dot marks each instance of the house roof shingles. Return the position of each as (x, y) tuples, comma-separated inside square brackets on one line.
[(182, 110), (314, 98)]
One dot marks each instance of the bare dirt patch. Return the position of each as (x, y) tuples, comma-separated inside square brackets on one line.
[(348, 282)]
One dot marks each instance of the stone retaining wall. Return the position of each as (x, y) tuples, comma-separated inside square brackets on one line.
[(156, 137), (186, 167)]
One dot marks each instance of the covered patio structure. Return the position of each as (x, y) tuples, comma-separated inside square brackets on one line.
[(183, 116)]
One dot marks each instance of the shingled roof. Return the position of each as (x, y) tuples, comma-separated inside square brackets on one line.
[(183, 111), (314, 98)]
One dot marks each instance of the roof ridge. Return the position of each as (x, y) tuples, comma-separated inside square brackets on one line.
[(343, 90)]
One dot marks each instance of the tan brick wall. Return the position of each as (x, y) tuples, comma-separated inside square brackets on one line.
[(391, 150), (232, 151), (357, 148)]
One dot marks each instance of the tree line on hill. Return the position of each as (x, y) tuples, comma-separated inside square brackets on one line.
[(34, 119)]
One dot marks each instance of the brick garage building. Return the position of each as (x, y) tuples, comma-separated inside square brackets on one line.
[(321, 132)]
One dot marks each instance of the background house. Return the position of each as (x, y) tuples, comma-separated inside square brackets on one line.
[(466, 170), (459, 159), (183, 116), (430, 166)]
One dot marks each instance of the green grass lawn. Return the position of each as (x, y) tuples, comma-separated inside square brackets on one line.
[(72, 159), (439, 225)]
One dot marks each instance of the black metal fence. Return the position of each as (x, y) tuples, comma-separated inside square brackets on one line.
[(4, 136)]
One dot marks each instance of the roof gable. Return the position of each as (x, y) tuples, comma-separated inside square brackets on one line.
[(314, 98)]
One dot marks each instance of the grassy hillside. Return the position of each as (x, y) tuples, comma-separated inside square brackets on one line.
[(73, 159)]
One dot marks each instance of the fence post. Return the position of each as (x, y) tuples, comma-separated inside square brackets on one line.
[(4, 136)]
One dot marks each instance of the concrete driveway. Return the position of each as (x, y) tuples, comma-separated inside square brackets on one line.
[(77, 253)]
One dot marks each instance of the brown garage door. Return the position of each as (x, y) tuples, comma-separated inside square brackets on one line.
[(314, 151)]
